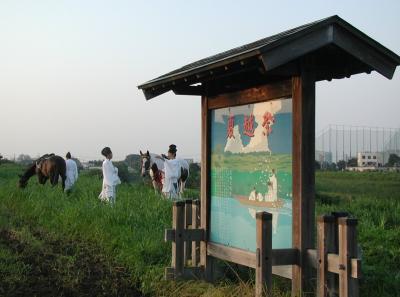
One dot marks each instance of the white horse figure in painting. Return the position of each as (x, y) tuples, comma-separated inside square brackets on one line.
[(168, 176)]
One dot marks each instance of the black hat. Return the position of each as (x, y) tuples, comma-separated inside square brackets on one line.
[(106, 151), (172, 149), (68, 155)]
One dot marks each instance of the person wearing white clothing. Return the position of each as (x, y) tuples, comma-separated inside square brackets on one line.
[(171, 173), (274, 184), (110, 177), (176, 172), (72, 173)]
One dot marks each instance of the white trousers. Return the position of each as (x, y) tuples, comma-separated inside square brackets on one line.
[(108, 194)]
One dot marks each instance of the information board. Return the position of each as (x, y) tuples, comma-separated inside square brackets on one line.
[(251, 171)]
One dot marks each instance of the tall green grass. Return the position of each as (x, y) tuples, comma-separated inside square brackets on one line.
[(130, 233), (374, 199)]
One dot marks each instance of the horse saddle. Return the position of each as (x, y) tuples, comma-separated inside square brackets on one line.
[(39, 162)]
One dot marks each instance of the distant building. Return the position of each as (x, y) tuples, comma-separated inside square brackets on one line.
[(366, 159)]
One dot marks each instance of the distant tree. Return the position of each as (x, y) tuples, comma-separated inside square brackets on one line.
[(332, 166), (123, 171), (24, 159), (6, 161), (317, 165), (352, 162), (393, 161), (95, 163), (133, 161), (78, 163), (341, 165), (193, 181)]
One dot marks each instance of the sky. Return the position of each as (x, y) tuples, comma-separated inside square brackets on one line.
[(69, 70)]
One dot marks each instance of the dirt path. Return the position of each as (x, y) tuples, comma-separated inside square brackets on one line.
[(34, 265)]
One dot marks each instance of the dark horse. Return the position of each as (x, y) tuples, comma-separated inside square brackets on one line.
[(48, 166)]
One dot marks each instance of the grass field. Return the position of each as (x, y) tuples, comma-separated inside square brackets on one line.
[(251, 161), (57, 245)]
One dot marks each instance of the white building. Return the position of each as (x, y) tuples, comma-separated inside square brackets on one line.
[(365, 159)]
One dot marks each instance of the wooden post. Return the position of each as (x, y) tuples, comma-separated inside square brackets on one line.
[(178, 214), (195, 225), (325, 245), (348, 286), (205, 260), (303, 178), (333, 278), (188, 223), (263, 253)]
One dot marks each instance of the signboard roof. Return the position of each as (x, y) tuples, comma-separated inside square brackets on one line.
[(338, 48)]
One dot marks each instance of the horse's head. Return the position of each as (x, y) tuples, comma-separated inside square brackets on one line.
[(23, 181), (145, 161), (23, 178)]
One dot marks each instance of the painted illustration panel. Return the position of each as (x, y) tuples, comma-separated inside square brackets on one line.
[(251, 171)]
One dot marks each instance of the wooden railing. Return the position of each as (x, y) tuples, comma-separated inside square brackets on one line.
[(335, 257)]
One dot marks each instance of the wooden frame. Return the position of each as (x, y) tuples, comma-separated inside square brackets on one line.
[(337, 235), (282, 89), (303, 177), (291, 62)]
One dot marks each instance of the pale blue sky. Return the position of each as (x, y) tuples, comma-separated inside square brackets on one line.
[(69, 69)]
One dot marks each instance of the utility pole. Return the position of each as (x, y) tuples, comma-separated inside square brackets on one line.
[(383, 146), (370, 139), (363, 139), (357, 142), (350, 142), (330, 150), (343, 143), (336, 143)]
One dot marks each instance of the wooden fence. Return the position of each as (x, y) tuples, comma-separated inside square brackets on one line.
[(335, 258)]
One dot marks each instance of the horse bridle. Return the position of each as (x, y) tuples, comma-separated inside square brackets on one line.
[(146, 164)]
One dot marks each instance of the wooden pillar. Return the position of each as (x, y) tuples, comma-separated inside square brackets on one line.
[(333, 278), (195, 225), (205, 260), (303, 90), (178, 223), (263, 253), (325, 245), (348, 286), (188, 223)]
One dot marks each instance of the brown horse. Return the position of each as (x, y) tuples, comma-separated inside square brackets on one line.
[(48, 166)]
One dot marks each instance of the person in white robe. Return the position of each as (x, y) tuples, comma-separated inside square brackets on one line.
[(274, 183), (269, 194), (253, 195), (171, 173), (72, 173), (110, 178)]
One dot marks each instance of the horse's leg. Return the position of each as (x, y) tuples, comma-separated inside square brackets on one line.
[(54, 177), (155, 187), (182, 186), (41, 178), (182, 181), (63, 177)]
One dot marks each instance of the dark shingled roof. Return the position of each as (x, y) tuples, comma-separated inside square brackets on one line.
[(265, 45)]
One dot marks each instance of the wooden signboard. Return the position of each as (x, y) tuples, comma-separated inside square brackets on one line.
[(257, 157), (251, 165)]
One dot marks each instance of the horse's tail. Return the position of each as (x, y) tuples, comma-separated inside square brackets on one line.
[(184, 176)]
